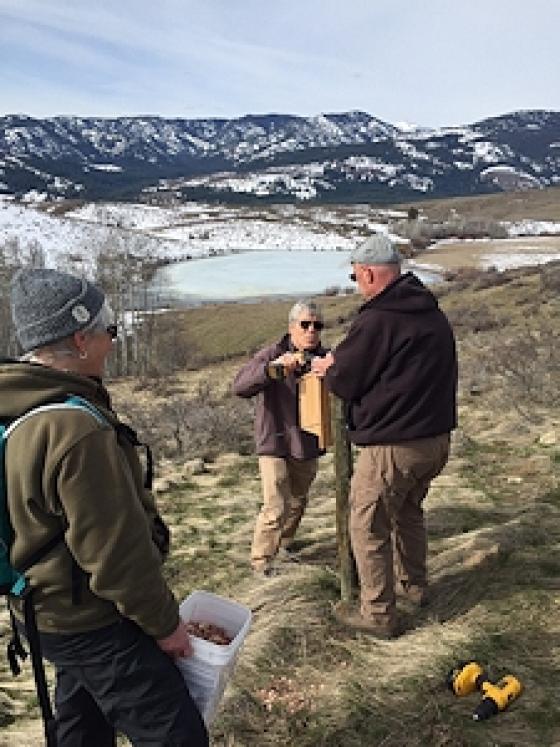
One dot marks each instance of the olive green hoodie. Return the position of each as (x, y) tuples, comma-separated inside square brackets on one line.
[(65, 469)]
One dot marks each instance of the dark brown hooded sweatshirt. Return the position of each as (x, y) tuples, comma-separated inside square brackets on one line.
[(397, 367), (65, 469)]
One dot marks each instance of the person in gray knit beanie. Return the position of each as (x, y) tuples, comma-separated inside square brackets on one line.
[(80, 504), (48, 306)]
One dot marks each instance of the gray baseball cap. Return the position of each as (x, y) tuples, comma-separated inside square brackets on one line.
[(48, 305), (378, 249)]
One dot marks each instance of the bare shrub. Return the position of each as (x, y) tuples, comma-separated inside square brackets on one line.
[(412, 213), (473, 318), (463, 274), (476, 278), (421, 232), (550, 277), (331, 290), (13, 256), (203, 425), (526, 364), (491, 278), (419, 244), (164, 347)]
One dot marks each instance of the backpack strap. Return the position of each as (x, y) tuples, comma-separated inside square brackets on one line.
[(130, 435), (32, 633), (8, 576)]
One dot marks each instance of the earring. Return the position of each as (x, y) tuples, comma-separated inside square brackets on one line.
[(83, 355)]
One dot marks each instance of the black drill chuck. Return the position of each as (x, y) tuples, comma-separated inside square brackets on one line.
[(485, 709)]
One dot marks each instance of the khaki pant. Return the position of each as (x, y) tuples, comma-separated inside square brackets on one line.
[(285, 484), (388, 487)]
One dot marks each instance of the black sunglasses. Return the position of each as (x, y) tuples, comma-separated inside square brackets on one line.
[(112, 331), (306, 323)]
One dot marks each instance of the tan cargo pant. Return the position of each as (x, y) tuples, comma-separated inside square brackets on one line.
[(285, 484), (388, 487)]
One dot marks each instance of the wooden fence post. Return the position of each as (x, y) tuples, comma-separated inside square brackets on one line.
[(343, 473)]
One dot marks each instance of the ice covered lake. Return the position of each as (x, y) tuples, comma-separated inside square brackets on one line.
[(253, 275)]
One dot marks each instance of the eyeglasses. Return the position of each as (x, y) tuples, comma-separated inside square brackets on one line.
[(112, 330), (306, 323), (352, 277)]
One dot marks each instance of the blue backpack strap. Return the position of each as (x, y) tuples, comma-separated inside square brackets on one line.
[(80, 403), (8, 576)]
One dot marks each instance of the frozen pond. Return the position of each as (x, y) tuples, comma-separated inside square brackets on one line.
[(254, 275)]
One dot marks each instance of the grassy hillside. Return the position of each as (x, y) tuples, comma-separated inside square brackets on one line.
[(536, 204), (302, 680)]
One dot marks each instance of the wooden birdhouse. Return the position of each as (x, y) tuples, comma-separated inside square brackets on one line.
[(314, 409)]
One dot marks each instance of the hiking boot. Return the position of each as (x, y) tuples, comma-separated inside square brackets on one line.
[(264, 573), (287, 552), (378, 626), (417, 595)]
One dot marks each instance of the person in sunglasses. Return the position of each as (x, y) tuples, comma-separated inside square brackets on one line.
[(287, 455), (396, 370), (106, 616)]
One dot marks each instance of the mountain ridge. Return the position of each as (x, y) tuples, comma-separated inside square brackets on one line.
[(343, 156)]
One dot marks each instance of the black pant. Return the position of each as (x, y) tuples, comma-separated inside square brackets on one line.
[(118, 679)]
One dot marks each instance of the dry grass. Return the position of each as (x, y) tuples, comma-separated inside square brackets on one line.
[(538, 204), (454, 255), (302, 680)]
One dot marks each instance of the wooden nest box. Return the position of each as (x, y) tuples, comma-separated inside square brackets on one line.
[(314, 409)]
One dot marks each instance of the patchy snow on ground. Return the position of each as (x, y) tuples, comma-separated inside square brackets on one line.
[(63, 240), (164, 233), (253, 235), (509, 261), (191, 230), (534, 228), (131, 216)]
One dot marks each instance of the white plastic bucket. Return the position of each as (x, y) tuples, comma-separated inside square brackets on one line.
[(207, 671)]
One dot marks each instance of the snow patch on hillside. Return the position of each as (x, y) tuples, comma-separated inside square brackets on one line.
[(509, 261), (162, 233), (534, 228)]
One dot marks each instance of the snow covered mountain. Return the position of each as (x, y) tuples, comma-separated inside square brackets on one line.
[(333, 157)]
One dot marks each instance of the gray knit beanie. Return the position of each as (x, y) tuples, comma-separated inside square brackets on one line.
[(48, 306)]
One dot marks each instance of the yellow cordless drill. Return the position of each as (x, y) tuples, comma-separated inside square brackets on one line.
[(467, 677), (497, 697)]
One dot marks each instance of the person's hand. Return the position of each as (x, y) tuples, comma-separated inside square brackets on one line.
[(177, 645), (290, 361), (320, 366)]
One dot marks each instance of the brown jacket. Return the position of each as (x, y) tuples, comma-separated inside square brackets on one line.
[(277, 431), (397, 367), (66, 469)]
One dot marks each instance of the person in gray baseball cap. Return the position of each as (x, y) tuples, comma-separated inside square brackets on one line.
[(105, 614), (396, 370)]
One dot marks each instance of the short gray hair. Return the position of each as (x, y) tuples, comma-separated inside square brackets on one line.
[(102, 320), (303, 306)]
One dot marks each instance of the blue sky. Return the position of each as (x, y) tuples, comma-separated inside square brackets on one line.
[(431, 62)]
